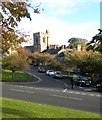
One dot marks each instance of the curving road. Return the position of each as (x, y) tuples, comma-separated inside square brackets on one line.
[(53, 92)]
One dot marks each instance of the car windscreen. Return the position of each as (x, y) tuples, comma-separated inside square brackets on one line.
[(83, 78), (50, 70), (58, 72)]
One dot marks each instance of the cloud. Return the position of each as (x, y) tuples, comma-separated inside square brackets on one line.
[(51, 2), (60, 31), (64, 7)]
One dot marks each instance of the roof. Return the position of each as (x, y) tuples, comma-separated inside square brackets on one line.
[(62, 54), (52, 51), (31, 48)]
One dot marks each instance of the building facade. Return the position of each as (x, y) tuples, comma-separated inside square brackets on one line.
[(41, 41)]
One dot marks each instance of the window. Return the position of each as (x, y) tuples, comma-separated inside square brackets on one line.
[(36, 40), (44, 39)]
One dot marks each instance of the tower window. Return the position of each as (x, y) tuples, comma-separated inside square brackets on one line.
[(36, 40), (44, 40)]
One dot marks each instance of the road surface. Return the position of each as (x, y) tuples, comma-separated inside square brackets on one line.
[(53, 92)]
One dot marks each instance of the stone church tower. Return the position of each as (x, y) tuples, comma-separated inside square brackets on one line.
[(41, 41)]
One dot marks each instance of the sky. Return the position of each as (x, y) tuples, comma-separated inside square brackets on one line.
[(64, 19)]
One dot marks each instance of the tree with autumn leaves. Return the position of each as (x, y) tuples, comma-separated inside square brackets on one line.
[(85, 62), (11, 14), (47, 60), (15, 61), (43, 58)]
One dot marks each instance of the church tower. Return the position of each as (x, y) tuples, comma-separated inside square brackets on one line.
[(41, 41)]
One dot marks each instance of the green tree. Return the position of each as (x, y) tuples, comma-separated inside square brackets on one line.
[(93, 66), (15, 62), (11, 14), (56, 65), (87, 62), (96, 43), (75, 58), (74, 42)]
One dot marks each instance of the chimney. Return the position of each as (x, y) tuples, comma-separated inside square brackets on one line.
[(63, 47), (54, 46), (79, 47)]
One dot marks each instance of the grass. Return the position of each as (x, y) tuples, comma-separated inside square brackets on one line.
[(20, 109), (67, 76), (19, 76)]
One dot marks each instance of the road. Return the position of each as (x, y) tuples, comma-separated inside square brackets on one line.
[(53, 92)]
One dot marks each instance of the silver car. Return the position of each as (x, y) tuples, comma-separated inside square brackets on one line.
[(49, 72), (58, 74)]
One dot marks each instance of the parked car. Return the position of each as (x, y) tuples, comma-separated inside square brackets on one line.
[(99, 86), (35, 64), (49, 72), (41, 69), (58, 74), (81, 80)]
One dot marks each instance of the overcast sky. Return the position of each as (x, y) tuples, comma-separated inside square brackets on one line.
[(65, 19)]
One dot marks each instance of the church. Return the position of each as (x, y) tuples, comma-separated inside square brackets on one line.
[(41, 42)]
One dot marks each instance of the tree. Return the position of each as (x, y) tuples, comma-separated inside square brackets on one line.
[(75, 58), (42, 58), (24, 51), (47, 60), (85, 62), (74, 42), (96, 43), (56, 65), (93, 66), (15, 62), (11, 14)]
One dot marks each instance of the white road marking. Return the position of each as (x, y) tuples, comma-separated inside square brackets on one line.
[(75, 98), (17, 90), (64, 90), (21, 91), (77, 92), (84, 93), (29, 92), (58, 96), (66, 97), (45, 89), (65, 84), (39, 79), (91, 94), (31, 87), (70, 92), (19, 86), (98, 96), (36, 88)]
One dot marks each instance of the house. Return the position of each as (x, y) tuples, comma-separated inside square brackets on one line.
[(56, 50)]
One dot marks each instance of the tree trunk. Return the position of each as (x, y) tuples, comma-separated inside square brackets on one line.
[(13, 74)]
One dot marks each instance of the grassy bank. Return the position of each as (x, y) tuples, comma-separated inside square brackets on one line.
[(20, 109), (19, 76)]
